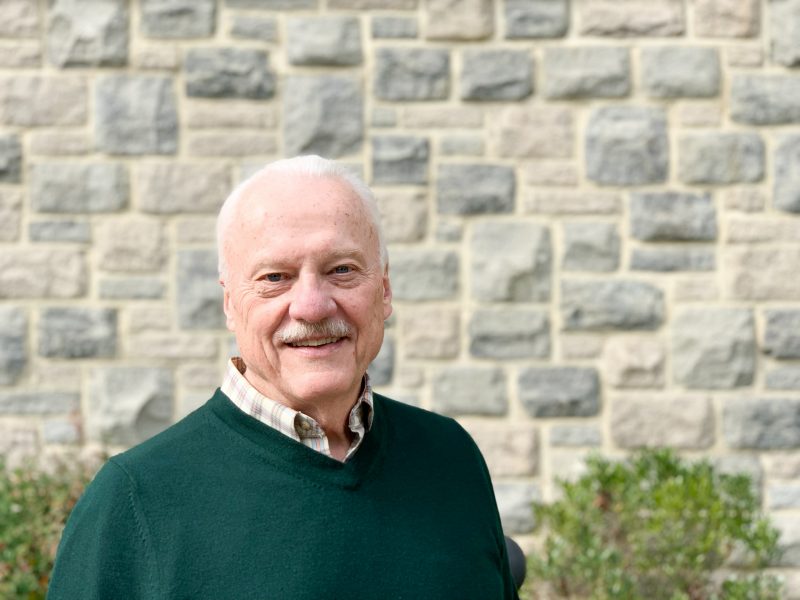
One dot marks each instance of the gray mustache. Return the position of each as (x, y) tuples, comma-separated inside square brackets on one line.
[(300, 330)]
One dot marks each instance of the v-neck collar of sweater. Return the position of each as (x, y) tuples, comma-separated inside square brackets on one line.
[(292, 456)]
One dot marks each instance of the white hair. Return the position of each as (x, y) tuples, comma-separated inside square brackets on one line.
[(310, 166)]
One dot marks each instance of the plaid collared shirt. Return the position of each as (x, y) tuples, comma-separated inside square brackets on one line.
[(296, 425)]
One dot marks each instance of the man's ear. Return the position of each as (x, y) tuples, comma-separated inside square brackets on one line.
[(387, 294), (227, 307)]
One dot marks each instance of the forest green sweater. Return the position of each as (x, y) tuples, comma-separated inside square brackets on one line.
[(221, 506)]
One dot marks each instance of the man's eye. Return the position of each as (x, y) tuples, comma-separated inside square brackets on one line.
[(273, 277), (341, 269)]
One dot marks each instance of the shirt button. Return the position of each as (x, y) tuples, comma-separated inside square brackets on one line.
[(305, 425)]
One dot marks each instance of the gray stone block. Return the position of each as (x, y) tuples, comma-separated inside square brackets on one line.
[(199, 298), (10, 214), (784, 31), (250, 27), (60, 431), (78, 187), (60, 231), (536, 18), (228, 73), (627, 145), (394, 27), (272, 4), (575, 436), (782, 333), (36, 101), (619, 304), (783, 378), (381, 369), (761, 423), (548, 392), (129, 404), (673, 259), (39, 403), (586, 72), (42, 273), (324, 41), (680, 72), (400, 159), (511, 261), (425, 274), (491, 75), (134, 288), (177, 19), (686, 423), (13, 344), (136, 114), (466, 189), (509, 333), (673, 216), (786, 191), (590, 246), (765, 99), (783, 496), (10, 158), (92, 33), (173, 187), (412, 74), (470, 391), (71, 332), (719, 158), (713, 348), (514, 502), (322, 115)]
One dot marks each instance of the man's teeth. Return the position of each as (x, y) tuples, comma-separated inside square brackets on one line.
[(321, 342)]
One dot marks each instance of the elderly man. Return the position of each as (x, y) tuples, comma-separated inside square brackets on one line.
[(294, 480)]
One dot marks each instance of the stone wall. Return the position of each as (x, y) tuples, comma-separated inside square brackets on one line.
[(592, 210)]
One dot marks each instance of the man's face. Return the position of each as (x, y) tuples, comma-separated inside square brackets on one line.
[(305, 292)]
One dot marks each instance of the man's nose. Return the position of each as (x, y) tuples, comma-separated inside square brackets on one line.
[(311, 300)]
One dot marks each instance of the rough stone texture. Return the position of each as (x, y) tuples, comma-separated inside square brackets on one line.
[(38, 403), (619, 304), (129, 404), (548, 392), (404, 215), (133, 288), (490, 75), (574, 436), (508, 451), (394, 27), (400, 159), (324, 41), (250, 27), (10, 159), (634, 361), (514, 501), (425, 274), (590, 246), (10, 215), (228, 73), (726, 18), (19, 18), (721, 158), (91, 33), (462, 145), (466, 189), (765, 99), (780, 497), (176, 19), (540, 132), (761, 423), (572, 203), (782, 333), (47, 143), (157, 58), (173, 346), (322, 115), (381, 369), (713, 348), (235, 114), (60, 231), (526, 19), (783, 378), (627, 146), (199, 294), (38, 101), (441, 117), (371, 4), (686, 423), (762, 273), (509, 333), (673, 216), (587, 72), (511, 261), (238, 144), (136, 114), (20, 55), (672, 259), (784, 29), (788, 525), (581, 346), (169, 187), (72, 332), (551, 172), (631, 18), (470, 391), (130, 244), (459, 19), (786, 193), (78, 187), (412, 74), (42, 273), (431, 332), (13, 344), (674, 72)]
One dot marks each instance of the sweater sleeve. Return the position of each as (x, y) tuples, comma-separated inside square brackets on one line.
[(104, 552)]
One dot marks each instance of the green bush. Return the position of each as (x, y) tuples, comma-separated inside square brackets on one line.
[(651, 528), (34, 505)]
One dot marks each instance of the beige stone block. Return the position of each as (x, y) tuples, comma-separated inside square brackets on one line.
[(60, 143), (567, 465), (20, 55), (634, 18), (459, 19), (18, 442), (765, 230), (509, 450), (404, 214), (682, 422), (200, 376), (742, 55), (233, 114), (550, 172), (170, 187), (373, 4), (635, 361), (781, 465), (172, 345), (34, 101), (10, 214), (157, 58), (196, 230), (759, 273), (408, 376), (19, 18), (525, 132), (55, 375), (42, 273), (430, 332), (232, 144), (581, 346), (441, 116), (131, 244), (695, 289), (726, 18), (699, 114), (567, 202), (744, 199), (149, 318)]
